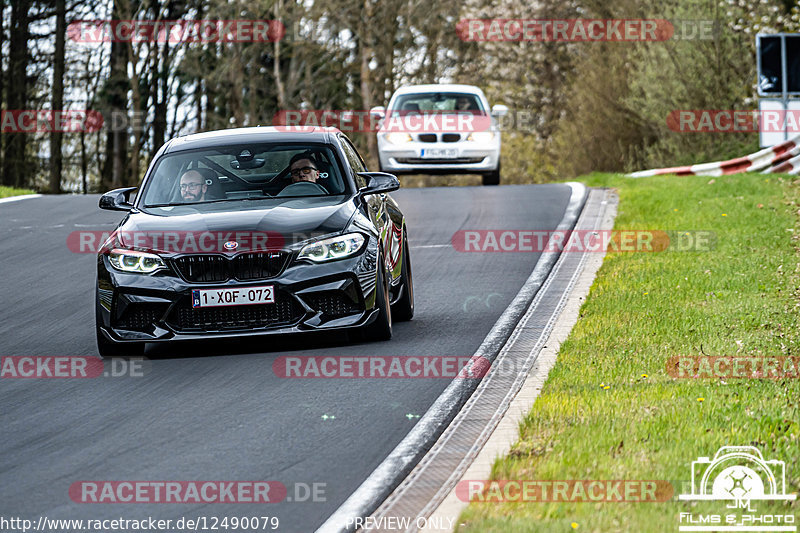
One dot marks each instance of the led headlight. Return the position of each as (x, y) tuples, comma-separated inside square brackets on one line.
[(133, 261), (332, 248), (481, 136), (397, 137)]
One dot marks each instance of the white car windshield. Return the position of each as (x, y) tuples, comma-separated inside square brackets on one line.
[(437, 102)]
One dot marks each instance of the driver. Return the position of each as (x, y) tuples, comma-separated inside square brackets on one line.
[(302, 168), (464, 103), (193, 186)]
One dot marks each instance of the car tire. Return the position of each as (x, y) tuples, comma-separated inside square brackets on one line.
[(404, 307), (381, 328), (108, 348), (493, 177)]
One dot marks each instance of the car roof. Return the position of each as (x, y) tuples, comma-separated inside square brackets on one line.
[(439, 88), (259, 134)]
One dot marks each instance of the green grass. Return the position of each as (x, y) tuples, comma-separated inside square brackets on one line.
[(741, 298), (5, 192)]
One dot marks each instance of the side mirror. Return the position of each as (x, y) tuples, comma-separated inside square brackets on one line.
[(117, 200), (499, 110), (378, 111), (379, 182)]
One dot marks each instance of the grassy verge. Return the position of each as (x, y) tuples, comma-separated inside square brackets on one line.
[(609, 410), (5, 192)]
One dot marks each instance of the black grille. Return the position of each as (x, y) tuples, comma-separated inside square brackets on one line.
[(258, 265), (427, 137), (283, 311), (332, 303), (141, 316), (451, 137), (244, 267)]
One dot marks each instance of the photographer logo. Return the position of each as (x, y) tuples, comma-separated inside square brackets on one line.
[(740, 477)]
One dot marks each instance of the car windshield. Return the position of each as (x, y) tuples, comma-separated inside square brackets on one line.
[(437, 102), (244, 172)]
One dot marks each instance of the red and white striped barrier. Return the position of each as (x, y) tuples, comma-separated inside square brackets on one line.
[(781, 158)]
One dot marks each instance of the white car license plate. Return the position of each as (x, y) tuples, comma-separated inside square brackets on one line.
[(241, 296), (439, 153)]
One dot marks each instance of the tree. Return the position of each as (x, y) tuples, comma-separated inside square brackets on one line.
[(16, 171), (56, 161)]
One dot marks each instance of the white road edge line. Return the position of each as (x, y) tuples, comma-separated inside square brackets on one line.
[(506, 433), (404, 453), (20, 197)]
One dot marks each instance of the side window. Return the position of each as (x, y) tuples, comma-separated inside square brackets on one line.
[(354, 160), (352, 156)]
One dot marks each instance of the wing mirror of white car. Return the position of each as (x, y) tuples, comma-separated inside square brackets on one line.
[(378, 111), (499, 110)]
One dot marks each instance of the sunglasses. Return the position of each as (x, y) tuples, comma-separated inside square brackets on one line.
[(192, 186), (302, 170)]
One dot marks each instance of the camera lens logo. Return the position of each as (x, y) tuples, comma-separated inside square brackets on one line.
[(737, 475)]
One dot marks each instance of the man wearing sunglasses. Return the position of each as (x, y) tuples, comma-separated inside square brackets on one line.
[(193, 186), (303, 169)]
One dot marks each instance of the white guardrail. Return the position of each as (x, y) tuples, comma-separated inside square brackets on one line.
[(782, 158)]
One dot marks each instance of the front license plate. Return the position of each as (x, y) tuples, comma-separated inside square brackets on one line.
[(439, 153), (240, 296)]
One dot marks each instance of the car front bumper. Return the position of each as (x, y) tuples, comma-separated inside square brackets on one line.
[(470, 157), (308, 297)]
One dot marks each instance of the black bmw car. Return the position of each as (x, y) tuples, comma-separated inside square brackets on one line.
[(253, 231)]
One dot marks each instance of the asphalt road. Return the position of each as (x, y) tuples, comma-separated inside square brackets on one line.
[(216, 411)]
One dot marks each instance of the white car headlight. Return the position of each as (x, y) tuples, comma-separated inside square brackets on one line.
[(481, 136), (332, 248), (397, 137), (134, 261)]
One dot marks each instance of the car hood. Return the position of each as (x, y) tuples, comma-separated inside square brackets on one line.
[(284, 221)]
